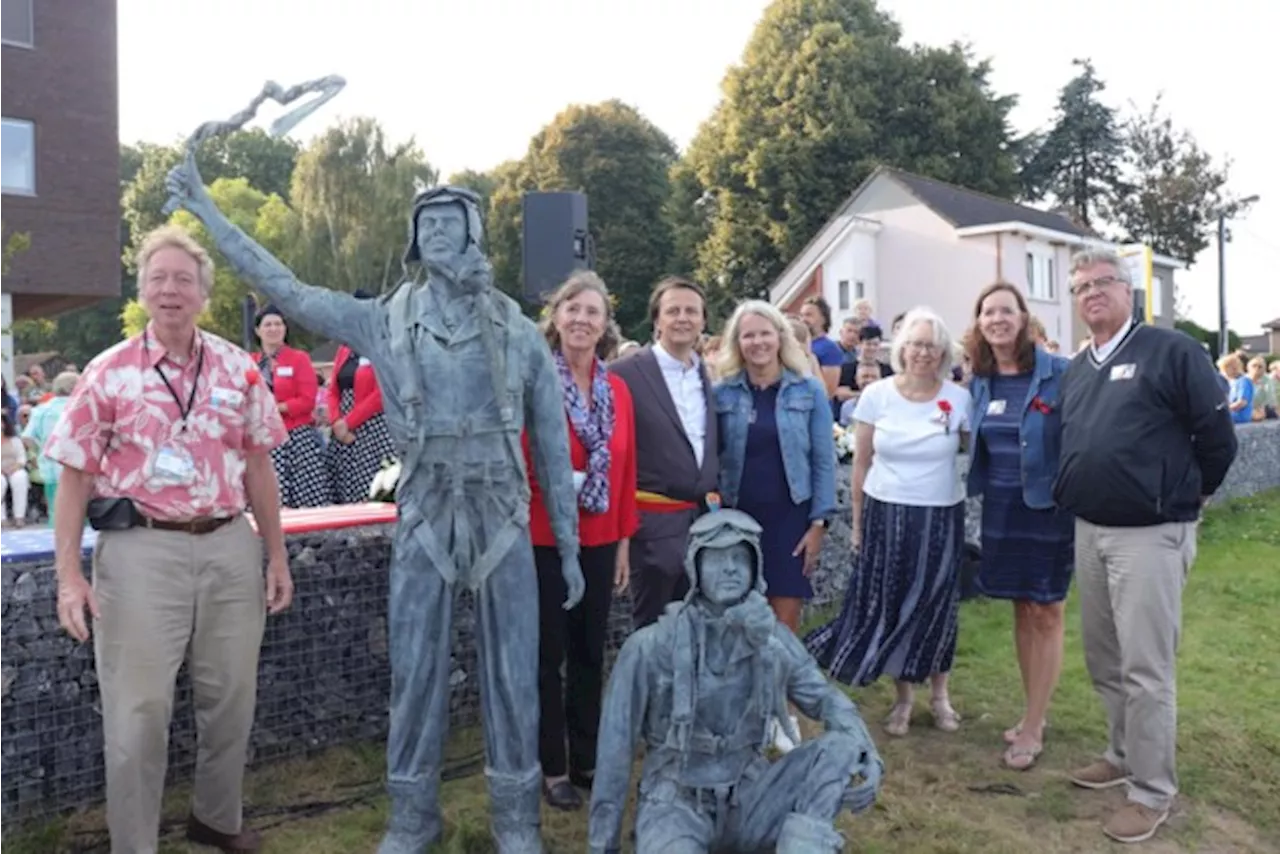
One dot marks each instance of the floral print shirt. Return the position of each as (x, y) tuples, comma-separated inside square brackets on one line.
[(122, 414)]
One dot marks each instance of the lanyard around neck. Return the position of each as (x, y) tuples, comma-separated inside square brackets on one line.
[(183, 411)]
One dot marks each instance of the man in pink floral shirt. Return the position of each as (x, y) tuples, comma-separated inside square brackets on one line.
[(168, 433)]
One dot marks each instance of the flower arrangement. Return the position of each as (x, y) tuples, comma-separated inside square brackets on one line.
[(844, 443), (384, 483)]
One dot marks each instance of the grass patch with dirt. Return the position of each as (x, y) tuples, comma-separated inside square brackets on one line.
[(943, 793)]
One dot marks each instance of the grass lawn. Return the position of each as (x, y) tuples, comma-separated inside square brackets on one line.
[(943, 793)]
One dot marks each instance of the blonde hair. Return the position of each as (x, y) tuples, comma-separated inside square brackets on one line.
[(941, 340), (790, 353), (175, 237), (1231, 360)]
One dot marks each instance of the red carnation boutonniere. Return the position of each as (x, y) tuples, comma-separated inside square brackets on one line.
[(252, 376), (944, 415), (1040, 406)]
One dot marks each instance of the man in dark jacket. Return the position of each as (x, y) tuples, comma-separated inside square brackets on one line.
[(1146, 440)]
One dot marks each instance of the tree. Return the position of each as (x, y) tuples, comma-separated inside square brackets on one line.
[(266, 162), (1078, 161), (351, 192), (1174, 190), (824, 94), (621, 161), (244, 206)]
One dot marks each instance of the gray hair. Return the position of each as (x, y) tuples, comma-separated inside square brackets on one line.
[(64, 383), (1091, 257), (941, 339), (175, 237)]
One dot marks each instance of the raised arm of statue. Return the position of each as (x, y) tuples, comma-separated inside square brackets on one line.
[(333, 314)]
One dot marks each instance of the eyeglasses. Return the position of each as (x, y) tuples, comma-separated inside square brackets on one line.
[(1101, 283), (926, 347)]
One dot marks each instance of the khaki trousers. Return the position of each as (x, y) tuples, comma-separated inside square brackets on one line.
[(165, 596), (1131, 582)]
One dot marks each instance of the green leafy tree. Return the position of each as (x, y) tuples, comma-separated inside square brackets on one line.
[(1078, 162), (1174, 190), (351, 193), (621, 161), (825, 93)]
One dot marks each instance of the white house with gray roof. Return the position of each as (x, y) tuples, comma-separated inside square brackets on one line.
[(902, 240)]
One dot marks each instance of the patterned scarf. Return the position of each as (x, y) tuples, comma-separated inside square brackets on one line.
[(593, 425)]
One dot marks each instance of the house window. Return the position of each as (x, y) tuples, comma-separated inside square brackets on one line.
[(16, 23), (859, 290), (842, 294), (1041, 277), (18, 156)]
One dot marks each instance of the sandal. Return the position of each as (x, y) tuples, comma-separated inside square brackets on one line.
[(945, 718), (1012, 733), (1022, 758), (899, 721)]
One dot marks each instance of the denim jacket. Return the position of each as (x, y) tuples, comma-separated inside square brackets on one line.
[(804, 431), (1040, 432)]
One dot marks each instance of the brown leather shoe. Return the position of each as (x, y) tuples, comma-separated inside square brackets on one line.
[(245, 842)]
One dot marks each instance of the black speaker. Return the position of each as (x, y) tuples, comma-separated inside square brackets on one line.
[(555, 241)]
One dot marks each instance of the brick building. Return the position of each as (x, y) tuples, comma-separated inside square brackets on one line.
[(61, 155)]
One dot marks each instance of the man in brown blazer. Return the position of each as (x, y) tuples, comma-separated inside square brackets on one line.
[(676, 444)]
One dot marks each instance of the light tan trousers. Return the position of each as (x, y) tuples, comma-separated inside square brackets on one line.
[(1131, 582), (165, 596)]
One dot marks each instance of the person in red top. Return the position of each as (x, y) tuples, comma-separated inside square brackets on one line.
[(361, 442), (603, 450), (299, 462)]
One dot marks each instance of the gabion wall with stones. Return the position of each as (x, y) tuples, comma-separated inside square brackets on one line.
[(323, 678)]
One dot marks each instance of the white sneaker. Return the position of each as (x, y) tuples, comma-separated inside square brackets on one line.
[(781, 741)]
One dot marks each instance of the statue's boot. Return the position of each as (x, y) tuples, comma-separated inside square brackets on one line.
[(802, 834), (514, 804), (415, 821)]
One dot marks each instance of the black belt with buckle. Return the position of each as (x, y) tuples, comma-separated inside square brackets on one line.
[(203, 525)]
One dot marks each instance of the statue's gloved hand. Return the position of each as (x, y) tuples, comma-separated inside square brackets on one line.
[(860, 797), (573, 580), (186, 188)]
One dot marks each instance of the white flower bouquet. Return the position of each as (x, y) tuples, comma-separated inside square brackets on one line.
[(844, 443), (384, 483)]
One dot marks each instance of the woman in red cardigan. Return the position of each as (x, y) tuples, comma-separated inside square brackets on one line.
[(299, 462), (361, 442), (603, 451)]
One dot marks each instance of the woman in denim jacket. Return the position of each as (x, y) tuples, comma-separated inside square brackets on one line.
[(1027, 543), (777, 452)]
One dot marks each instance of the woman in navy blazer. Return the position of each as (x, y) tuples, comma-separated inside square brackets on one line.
[(1027, 542)]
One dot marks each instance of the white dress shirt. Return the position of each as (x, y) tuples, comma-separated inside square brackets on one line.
[(684, 382)]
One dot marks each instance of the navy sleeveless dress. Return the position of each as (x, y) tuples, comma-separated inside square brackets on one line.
[(1026, 554), (764, 495)]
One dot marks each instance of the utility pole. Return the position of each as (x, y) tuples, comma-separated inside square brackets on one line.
[(1224, 346), (1222, 284)]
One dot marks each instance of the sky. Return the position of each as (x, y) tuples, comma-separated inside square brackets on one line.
[(473, 80)]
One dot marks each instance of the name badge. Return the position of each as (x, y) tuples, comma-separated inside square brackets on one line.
[(284, 371), (996, 407), (226, 398), (172, 465), (364, 361), (1123, 372)]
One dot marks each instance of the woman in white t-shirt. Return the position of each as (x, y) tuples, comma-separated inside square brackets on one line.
[(14, 480), (900, 610)]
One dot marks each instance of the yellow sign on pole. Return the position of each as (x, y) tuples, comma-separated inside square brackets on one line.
[(1137, 259)]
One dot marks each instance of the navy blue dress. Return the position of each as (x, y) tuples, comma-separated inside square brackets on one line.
[(1026, 554), (764, 495)]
